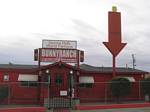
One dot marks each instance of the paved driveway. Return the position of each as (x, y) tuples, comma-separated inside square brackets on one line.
[(146, 109)]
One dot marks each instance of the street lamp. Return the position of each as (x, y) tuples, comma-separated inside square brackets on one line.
[(70, 85), (71, 72), (47, 71), (48, 76)]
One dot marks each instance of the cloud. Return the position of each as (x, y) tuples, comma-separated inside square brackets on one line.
[(84, 21)]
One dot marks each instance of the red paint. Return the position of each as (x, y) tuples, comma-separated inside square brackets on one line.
[(24, 109), (19, 94), (23, 95), (111, 106), (99, 92), (114, 44)]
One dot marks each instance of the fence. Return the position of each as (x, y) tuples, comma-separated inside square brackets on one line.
[(102, 92), (53, 96)]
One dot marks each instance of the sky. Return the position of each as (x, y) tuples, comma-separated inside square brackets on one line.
[(24, 23)]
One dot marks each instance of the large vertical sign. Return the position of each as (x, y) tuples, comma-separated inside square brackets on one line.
[(114, 44)]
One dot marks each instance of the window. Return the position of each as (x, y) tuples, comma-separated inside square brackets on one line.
[(58, 80), (28, 80), (27, 77), (86, 81), (29, 83), (6, 77), (85, 85)]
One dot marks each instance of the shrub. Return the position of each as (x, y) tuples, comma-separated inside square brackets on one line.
[(145, 86), (119, 87)]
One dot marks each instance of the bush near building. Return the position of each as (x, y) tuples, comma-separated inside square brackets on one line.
[(119, 87)]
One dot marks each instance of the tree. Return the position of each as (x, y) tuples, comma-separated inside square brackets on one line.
[(145, 87), (119, 87)]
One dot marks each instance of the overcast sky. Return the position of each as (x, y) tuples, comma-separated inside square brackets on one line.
[(24, 23)]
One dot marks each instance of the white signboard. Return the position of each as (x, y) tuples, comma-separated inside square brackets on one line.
[(63, 93), (66, 44), (55, 55)]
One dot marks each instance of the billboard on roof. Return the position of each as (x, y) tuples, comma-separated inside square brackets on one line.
[(63, 44)]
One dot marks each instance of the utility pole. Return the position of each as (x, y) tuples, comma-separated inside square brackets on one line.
[(133, 61)]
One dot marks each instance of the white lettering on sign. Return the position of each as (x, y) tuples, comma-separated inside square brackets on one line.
[(66, 44), (53, 55), (63, 93)]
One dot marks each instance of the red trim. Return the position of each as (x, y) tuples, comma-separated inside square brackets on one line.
[(111, 106), (24, 109)]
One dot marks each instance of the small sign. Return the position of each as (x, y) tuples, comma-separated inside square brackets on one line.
[(63, 44), (63, 93)]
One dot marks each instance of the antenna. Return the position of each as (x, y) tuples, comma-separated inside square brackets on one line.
[(133, 61)]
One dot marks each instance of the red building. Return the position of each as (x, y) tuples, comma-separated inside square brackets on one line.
[(29, 84)]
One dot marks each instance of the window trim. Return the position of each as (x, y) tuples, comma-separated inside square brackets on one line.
[(86, 85)]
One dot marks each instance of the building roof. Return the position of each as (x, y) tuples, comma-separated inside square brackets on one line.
[(83, 67), (90, 68), (17, 66)]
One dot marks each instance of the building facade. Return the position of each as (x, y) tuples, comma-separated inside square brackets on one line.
[(30, 84)]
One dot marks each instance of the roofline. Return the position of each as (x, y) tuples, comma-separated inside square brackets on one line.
[(66, 65), (18, 70), (57, 63), (84, 71)]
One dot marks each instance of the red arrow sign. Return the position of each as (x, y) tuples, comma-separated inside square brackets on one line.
[(114, 44), (114, 47)]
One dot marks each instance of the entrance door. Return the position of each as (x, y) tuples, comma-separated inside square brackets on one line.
[(59, 85), (59, 90)]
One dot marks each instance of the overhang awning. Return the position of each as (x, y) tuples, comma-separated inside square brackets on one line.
[(131, 79), (86, 79), (27, 77)]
